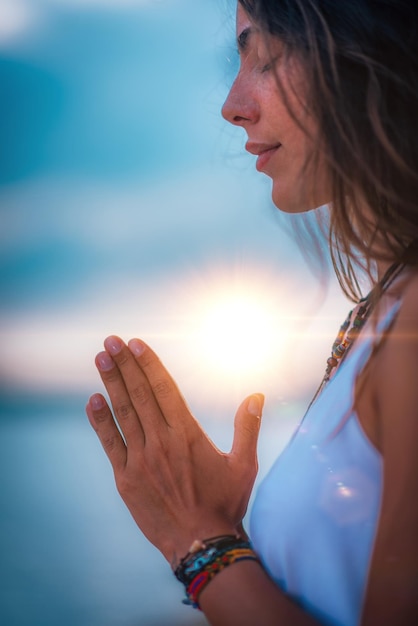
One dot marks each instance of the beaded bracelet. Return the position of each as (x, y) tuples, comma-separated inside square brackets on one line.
[(202, 552), (207, 558)]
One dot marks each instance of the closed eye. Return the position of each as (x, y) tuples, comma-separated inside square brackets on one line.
[(243, 39)]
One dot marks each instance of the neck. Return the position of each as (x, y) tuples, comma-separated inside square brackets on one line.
[(382, 268), (390, 273)]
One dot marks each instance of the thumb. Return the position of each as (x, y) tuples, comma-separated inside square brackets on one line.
[(247, 427)]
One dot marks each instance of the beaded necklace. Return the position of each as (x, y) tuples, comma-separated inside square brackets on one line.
[(350, 330), (345, 338)]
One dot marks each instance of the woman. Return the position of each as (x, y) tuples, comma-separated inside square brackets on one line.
[(328, 95)]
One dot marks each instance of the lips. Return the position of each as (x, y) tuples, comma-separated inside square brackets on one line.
[(263, 151)]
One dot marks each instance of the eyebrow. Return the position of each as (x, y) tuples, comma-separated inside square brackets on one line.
[(243, 37)]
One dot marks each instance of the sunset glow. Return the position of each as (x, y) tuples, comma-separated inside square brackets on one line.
[(238, 335)]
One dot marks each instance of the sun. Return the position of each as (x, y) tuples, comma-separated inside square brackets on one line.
[(224, 332), (236, 334)]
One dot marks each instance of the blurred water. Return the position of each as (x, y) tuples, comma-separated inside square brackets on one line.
[(71, 554)]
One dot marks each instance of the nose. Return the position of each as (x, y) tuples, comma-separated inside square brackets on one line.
[(240, 108)]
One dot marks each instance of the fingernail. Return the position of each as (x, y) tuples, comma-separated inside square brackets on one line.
[(96, 402), (255, 405), (89, 412), (113, 345), (136, 347), (104, 362)]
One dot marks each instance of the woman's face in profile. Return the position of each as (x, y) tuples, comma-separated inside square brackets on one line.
[(268, 100)]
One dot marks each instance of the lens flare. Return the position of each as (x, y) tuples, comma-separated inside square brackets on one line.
[(237, 335)]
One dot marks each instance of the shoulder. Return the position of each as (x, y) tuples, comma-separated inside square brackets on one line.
[(395, 376), (407, 290), (402, 340), (392, 586)]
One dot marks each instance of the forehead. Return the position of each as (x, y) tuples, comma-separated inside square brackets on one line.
[(242, 19)]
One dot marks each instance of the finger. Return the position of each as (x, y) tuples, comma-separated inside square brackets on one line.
[(101, 420), (124, 410), (137, 384), (247, 427), (169, 399)]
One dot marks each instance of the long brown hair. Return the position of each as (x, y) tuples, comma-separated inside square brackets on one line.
[(361, 65)]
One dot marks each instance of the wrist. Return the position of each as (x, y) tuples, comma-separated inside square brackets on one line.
[(175, 550), (206, 559)]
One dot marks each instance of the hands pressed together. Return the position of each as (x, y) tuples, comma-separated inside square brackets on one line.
[(177, 485)]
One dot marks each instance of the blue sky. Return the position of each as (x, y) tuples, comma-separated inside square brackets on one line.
[(128, 205)]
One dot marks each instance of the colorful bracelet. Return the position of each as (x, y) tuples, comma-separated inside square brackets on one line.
[(207, 558), (203, 552)]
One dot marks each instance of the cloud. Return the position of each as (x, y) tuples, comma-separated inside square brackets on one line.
[(104, 4), (54, 351), (81, 4), (144, 260), (16, 18), (55, 239)]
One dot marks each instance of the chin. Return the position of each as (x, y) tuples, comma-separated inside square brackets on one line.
[(292, 203), (287, 205)]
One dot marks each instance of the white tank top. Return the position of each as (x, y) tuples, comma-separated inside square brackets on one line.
[(315, 514)]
